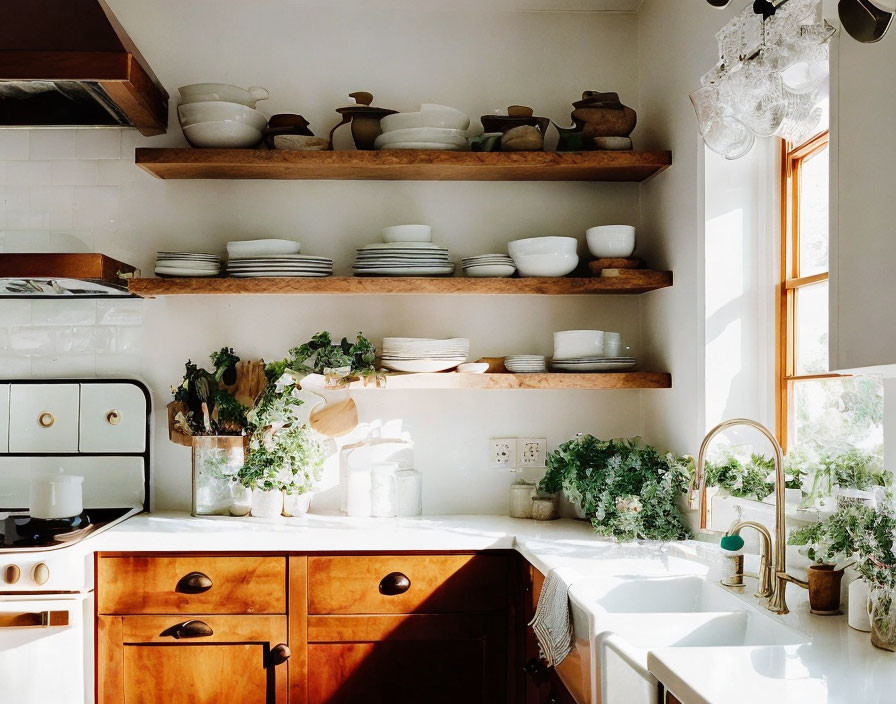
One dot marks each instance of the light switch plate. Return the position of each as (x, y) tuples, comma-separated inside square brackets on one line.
[(502, 453), (532, 452)]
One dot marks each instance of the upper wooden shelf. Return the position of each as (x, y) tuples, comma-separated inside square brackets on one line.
[(644, 281), (606, 381), (400, 165)]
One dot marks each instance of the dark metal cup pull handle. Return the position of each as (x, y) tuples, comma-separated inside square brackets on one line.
[(194, 583), (394, 583), (280, 654), (193, 629)]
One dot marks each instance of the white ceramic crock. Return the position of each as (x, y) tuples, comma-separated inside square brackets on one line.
[(267, 504), (297, 504), (56, 496)]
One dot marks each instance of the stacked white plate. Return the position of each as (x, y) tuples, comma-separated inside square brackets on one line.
[(594, 364), (423, 355), (403, 259), (187, 264), (262, 248), (434, 127), (525, 363), (489, 265), (286, 265)]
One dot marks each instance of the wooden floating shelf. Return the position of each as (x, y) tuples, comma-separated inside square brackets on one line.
[(643, 282), (496, 382), (401, 165)]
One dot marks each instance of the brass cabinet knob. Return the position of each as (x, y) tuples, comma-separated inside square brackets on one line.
[(11, 574), (46, 419), (113, 417), (41, 573)]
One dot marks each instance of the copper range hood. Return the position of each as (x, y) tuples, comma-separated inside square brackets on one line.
[(69, 63)]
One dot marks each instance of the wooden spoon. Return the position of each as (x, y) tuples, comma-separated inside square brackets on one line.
[(336, 419)]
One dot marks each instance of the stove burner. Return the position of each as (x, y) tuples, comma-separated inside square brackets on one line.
[(21, 531)]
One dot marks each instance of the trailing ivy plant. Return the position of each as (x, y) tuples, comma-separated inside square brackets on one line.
[(753, 479), (321, 356), (628, 490), (291, 459), (854, 469)]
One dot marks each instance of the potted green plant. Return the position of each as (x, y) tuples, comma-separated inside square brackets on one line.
[(834, 472), (749, 479), (627, 490), (876, 552)]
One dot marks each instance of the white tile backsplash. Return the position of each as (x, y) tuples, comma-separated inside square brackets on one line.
[(28, 173), (52, 312), (15, 366), (14, 144), (119, 312), (52, 144), (64, 366), (74, 173), (97, 144), (32, 341), (14, 313)]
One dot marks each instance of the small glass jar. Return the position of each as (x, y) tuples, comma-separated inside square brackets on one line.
[(216, 461), (883, 619), (521, 495)]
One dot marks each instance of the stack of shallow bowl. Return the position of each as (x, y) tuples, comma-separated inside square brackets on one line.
[(589, 351), (188, 264), (220, 116), (544, 256), (525, 363), (273, 258), (406, 250), (436, 127), (489, 265), (424, 355)]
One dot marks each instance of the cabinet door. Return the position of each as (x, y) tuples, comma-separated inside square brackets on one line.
[(4, 417), (206, 660), (113, 418), (437, 659), (43, 418)]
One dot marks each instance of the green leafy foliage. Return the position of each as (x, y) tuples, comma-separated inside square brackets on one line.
[(210, 410), (853, 469), (753, 479), (290, 459), (628, 490), (320, 354)]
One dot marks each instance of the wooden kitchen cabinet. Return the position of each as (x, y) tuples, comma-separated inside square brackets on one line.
[(202, 660)]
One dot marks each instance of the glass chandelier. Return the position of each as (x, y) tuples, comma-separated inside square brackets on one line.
[(768, 81)]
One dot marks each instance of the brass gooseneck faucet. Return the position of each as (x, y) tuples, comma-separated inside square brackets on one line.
[(773, 577)]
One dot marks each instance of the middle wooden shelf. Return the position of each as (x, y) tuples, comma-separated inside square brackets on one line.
[(632, 282)]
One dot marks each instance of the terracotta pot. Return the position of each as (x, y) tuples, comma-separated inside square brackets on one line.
[(824, 590)]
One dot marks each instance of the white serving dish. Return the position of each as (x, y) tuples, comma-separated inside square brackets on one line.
[(422, 134), (473, 368), (225, 134), (545, 264), (571, 344), (195, 113), (179, 263), (407, 233), (211, 92), (612, 241), (423, 366), (543, 245), (401, 245), (245, 249), (430, 115), (483, 271), (432, 146)]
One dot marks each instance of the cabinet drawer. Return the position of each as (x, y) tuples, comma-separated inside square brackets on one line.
[(43, 418), (113, 418), (389, 584), (191, 585)]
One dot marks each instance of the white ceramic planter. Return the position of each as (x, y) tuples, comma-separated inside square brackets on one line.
[(267, 504), (297, 504), (859, 617)]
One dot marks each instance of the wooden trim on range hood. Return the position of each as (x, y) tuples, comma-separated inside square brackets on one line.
[(87, 267), (81, 40)]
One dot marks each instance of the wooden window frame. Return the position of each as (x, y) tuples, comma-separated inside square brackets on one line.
[(791, 280)]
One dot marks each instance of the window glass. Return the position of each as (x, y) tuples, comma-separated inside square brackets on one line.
[(812, 329), (813, 204)]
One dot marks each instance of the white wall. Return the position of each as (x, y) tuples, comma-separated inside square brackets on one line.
[(55, 183)]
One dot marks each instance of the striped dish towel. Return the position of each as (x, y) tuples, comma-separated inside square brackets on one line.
[(553, 621)]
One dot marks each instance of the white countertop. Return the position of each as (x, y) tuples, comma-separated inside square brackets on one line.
[(838, 666)]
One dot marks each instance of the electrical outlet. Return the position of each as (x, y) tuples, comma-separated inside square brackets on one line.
[(502, 453), (532, 452)]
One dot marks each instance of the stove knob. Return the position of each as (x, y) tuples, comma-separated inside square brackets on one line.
[(41, 573), (11, 574)]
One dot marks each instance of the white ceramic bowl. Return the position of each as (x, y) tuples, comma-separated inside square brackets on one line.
[(543, 245), (243, 249), (545, 264), (574, 344), (611, 241), (407, 233), (422, 134), (203, 92), (473, 368), (430, 115), (195, 113), (223, 134), (489, 271)]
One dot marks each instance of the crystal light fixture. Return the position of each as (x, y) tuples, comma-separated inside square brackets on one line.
[(773, 63)]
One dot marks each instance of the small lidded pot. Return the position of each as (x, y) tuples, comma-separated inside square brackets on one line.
[(546, 507)]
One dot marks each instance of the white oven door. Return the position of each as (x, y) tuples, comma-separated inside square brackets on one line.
[(44, 651)]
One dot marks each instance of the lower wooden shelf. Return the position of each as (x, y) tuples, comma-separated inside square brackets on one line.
[(455, 380)]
